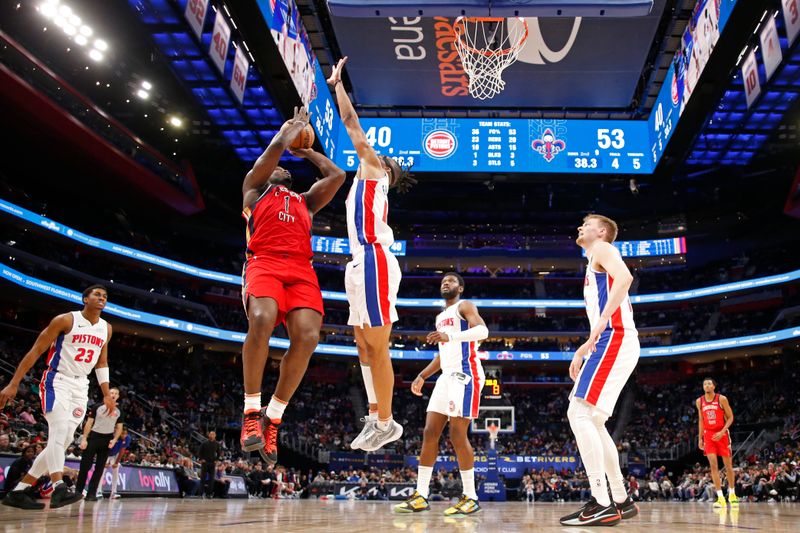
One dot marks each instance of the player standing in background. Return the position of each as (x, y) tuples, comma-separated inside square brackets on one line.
[(115, 457), (78, 343), (613, 351), (715, 416), (372, 278), (278, 280), (456, 396)]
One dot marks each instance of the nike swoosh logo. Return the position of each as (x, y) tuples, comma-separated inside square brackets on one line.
[(82, 325)]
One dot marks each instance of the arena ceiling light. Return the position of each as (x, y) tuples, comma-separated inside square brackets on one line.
[(176, 121), (73, 27)]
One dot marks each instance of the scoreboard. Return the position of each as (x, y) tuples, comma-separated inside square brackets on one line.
[(506, 145), (651, 247), (341, 245)]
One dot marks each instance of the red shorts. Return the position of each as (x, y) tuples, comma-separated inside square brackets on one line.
[(290, 281), (720, 448)]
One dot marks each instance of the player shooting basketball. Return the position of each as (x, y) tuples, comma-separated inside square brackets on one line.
[(373, 276), (279, 283)]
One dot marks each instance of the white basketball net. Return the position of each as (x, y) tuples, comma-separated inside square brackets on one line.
[(493, 430), (487, 46)]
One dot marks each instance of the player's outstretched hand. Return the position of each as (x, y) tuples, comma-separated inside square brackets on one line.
[(301, 115), (336, 75), (416, 386), (435, 337), (110, 403), (7, 394)]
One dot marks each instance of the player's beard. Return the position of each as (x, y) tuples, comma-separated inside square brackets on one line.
[(450, 295)]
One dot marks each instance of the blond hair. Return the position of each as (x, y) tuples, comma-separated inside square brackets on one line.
[(610, 225)]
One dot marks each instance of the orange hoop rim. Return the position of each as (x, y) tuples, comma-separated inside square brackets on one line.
[(460, 21)]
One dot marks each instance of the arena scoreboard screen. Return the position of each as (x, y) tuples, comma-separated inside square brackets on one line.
[(506, 145)]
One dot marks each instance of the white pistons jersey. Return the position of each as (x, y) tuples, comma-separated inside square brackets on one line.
[(75, 353), (457, 356), (596, 288), (367, 212)]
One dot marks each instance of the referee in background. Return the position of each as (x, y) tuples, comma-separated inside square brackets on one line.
[(208, 455), (100, 434)]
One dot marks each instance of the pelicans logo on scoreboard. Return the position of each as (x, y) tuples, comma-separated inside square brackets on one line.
[(440, 144), (548, 146)]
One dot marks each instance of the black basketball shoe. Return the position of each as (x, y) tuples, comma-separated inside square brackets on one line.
[(593, 514)]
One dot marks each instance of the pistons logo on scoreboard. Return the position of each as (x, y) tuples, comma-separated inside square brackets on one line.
[(548, 146), (440, 144)]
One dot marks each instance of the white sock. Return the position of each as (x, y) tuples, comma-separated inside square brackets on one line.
[(21, 486), (719, 494), (366, 373), (591, 448), (275, 409), (611, 462), (424, 474), (468, 481), (252, 402), (383, 425), (373, 415), (114, 479)]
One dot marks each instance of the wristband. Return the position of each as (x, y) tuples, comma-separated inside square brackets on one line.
[(102, 375)]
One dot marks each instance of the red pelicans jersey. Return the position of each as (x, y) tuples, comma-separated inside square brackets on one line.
[(279, 222)]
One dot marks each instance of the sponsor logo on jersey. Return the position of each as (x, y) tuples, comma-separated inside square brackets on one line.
[(440, 144), (548, 146), (77, 412)]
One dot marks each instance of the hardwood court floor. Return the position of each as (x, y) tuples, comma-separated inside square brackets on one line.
[(289, 516)]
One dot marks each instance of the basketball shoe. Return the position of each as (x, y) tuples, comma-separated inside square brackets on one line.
[(22, 499), (252, 429), (415, 504), (720, 502), (269, 452), (377, 438), (465, 506), (627, 509), (359, 440), (63, 496), (593, 514), (733, 499)]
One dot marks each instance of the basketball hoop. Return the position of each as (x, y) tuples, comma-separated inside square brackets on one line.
[(487, 46), (493, 430)]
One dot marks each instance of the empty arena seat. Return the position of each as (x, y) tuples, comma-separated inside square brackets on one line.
[(486, 8)]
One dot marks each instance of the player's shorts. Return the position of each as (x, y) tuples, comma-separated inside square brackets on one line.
[(457, 395), (721, 447), (64, 397), (290, 281), (371, 281), (606, 371)]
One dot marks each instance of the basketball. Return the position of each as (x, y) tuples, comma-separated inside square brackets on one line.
[(304, 139)]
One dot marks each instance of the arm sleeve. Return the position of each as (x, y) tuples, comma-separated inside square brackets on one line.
[(475, 333)]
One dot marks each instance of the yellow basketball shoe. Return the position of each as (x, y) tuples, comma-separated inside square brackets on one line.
[(720, 502), (733, 499), (415, 504), (465, 506)]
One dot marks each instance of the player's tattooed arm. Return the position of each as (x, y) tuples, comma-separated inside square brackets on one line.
[(266, 162), (323, 191), (60, 324)]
